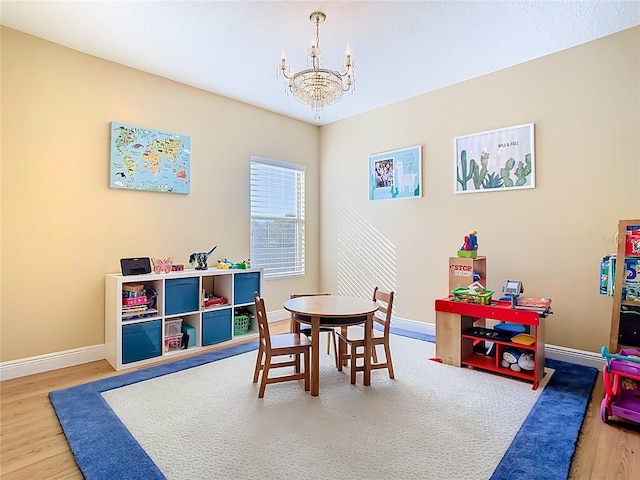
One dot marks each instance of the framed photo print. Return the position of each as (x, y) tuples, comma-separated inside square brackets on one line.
[(495, 160), (396, 174)]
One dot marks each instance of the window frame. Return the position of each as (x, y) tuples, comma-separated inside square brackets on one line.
[(261, 199)]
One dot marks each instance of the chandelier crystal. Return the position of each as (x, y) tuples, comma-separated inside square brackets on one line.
[(316, 86)]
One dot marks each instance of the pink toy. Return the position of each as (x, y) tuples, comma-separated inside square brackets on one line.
[(621, 376)]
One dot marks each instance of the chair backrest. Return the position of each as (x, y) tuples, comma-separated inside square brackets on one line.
[(263, 324), (385, 307)]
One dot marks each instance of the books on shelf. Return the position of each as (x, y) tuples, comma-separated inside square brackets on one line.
[(536, 304), (132, 314)]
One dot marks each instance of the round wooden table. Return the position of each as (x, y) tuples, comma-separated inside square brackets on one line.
[(332, 311)]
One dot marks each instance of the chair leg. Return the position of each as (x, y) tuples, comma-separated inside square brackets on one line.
[(374, 354), (352, 367), (307, 370), (258, 364), (387, 352), (335, 347), (339, 354), (265, 375)]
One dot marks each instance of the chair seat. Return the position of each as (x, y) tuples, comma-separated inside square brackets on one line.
[(307, 330), (288, 340)]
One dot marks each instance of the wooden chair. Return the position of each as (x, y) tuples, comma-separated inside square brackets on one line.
[(306, 330), (279, 345), (383, 317)]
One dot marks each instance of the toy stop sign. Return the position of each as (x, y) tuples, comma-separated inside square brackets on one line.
[(461, 270)]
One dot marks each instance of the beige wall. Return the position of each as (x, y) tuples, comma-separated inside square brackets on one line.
[(585, 103), (63, 228)]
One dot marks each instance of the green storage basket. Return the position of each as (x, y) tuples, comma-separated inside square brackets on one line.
[(241, 324), (463, 294)]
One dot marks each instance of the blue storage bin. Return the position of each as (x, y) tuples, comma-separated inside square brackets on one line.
[(141, 341), (191, 331), (244, 284), (182, 295), (216, 326)]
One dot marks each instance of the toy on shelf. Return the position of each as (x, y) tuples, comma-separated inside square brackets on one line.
[(226, 264), (162, 266), (517, 361), (474, 293), (513, 289), (469, 248), (621, 377), (201, 259)]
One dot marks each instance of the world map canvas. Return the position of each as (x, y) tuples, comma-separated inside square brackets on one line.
[(152, 160)]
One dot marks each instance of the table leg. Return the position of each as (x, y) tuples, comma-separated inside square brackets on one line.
[(294, 327), (315, 356), (368, 327)]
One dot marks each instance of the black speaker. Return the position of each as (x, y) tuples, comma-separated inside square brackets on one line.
[(135, 266)]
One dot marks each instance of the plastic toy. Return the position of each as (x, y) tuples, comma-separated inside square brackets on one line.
[(621, 377), (512, 289), (225, 264), (469, 248), (517, 361), (201, 259)]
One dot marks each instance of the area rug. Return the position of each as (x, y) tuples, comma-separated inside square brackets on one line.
[(200, 418)]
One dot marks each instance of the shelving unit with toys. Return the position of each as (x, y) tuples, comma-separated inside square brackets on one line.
[(151, 316), (456, 337), (625, 314)]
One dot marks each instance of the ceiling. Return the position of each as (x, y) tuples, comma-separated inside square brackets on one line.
[(401, 48)]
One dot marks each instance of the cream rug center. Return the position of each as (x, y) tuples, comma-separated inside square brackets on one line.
[(432, 422)]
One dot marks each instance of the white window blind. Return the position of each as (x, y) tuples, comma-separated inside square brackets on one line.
[(277, 217)]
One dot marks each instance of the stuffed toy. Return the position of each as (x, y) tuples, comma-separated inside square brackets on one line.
[(517, 361)]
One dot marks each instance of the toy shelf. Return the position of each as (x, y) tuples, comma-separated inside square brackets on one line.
[(143, 312), (625, 313), (454, 347)]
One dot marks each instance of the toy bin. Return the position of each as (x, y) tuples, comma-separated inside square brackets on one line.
[(173, 343), (141, 341), (244, 284), (216, 326), (241, 324), (172, 327), (481, 297), (182, 295)]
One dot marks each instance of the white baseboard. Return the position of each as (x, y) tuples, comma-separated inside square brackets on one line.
[(69, 358), (571, 355), (414, 326), (51, 361), (78, 356)]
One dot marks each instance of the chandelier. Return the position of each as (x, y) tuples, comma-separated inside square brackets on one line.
[(317, 86)]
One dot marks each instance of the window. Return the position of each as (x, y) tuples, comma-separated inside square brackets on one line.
[(277, 218)]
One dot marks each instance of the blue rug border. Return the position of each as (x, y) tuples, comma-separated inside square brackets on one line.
[(104, 448)]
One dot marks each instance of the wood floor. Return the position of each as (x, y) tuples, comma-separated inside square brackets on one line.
[(32, 445)]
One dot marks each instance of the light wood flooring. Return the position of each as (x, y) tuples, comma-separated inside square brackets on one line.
[(32, 445)]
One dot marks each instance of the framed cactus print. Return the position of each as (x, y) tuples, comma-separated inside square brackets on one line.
[(495, 160)]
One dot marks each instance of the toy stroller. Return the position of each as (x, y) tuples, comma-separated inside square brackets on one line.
[(621, 376)]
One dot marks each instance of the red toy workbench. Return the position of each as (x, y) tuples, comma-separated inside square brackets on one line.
[(454, 347)]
